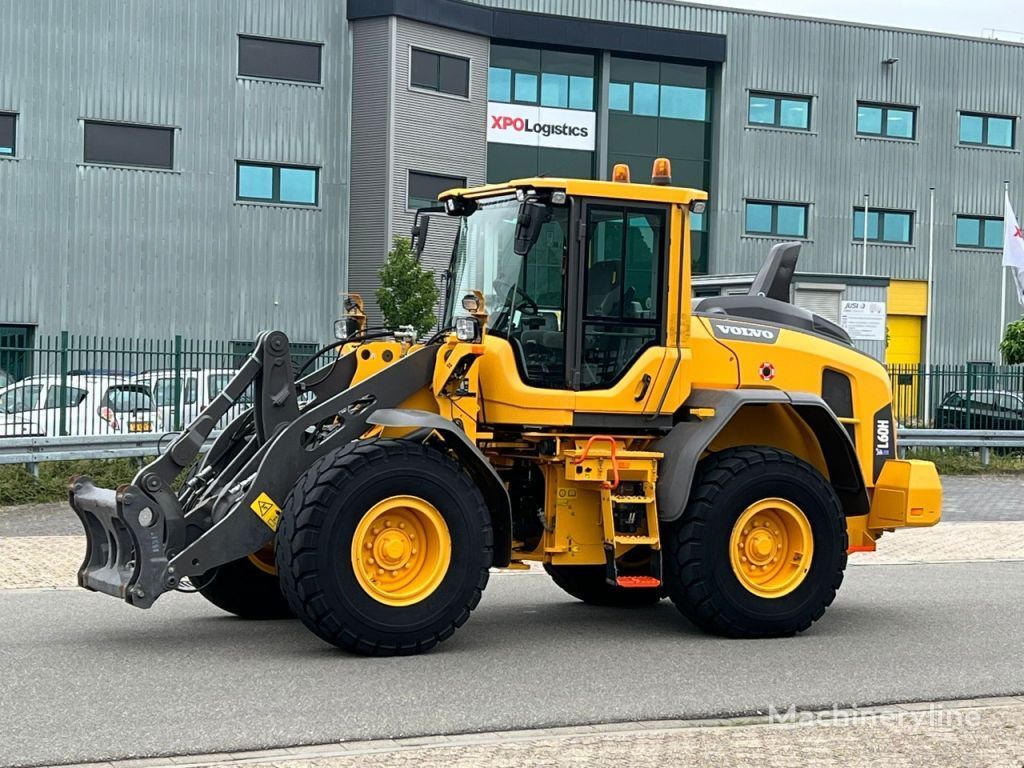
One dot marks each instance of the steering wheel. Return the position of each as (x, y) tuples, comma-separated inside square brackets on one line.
[(527, 302)]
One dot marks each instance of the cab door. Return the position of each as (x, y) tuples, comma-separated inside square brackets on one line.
[(619, 353)]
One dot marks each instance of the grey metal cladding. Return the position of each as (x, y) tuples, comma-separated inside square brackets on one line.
[(103, 250), (369, 219), (432, 133), (543, 28)]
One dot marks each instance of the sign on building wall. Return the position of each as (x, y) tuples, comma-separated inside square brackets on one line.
[(540, 126), (863, 320)]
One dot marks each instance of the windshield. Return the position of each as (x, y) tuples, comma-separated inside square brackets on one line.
[(485, 261)]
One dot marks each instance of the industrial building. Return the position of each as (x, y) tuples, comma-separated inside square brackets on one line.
[(213, 169)]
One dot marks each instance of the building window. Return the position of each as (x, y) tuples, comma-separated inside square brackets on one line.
[(8, 127), (424, 188), (270, 59), (658, 99), (979, 232), (142, 146), (883, 120), (884, 226), (549, 78), (267, 183), (778, 111), (986, 130), (775, 219), (439, 72)]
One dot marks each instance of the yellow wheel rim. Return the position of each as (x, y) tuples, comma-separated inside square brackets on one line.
[(263, 559), (771, 548), (401, 550)]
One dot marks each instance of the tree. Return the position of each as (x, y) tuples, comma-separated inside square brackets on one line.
[(407, 292), (1012, 345)]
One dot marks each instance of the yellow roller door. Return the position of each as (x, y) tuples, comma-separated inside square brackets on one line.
[(904, 350)]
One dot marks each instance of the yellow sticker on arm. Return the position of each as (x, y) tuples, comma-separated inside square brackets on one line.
[(266, 510)]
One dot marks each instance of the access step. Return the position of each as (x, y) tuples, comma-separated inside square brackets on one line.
[(628, 538), (632, 499), (637, 582)]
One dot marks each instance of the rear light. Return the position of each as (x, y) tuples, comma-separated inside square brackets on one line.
[(107, 414)]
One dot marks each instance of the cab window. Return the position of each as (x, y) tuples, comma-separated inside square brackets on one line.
[(67, 397), (621, 303), (536, 297)]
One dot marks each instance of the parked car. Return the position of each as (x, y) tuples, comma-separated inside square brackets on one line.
[(92, 405), (980, 409), (199, 386)]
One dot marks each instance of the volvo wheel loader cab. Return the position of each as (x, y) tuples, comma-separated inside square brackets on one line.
[(576, 409)]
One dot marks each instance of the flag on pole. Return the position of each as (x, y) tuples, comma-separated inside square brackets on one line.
[(1013, 248)]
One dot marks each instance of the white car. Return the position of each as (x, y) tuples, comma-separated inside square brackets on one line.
[(199, 386), (93, 405)]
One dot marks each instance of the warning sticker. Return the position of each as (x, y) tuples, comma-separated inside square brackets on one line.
[(266, 510)]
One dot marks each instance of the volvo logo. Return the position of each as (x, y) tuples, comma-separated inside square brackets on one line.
[(757, 334)]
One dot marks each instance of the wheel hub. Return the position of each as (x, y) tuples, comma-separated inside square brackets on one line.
[(401, 550), (771, 547)]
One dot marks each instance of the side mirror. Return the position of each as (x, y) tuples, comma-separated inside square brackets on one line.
[(419, 235), (532, 217)]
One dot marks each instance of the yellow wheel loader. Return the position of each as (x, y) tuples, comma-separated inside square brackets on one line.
[(577, 409)]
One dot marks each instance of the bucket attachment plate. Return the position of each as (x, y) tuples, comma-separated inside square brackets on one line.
[(128, 538)]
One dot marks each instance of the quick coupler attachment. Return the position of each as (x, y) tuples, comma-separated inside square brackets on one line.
[(129, 540)]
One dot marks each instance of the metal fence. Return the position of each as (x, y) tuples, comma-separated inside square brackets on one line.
[(973, 396), (68, 385)]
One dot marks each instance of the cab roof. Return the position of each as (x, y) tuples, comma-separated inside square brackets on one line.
[(615, 190)]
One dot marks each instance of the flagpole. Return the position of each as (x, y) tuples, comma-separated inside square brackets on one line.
[(864, 257), (930, 319), (1002, 289)]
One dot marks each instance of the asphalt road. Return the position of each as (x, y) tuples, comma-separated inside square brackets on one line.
[(84, 677)]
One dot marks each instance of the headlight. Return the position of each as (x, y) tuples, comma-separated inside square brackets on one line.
[(467, 329), (346, 328)]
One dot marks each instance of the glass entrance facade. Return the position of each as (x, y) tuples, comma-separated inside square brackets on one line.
[(654, 109), (542, 78)]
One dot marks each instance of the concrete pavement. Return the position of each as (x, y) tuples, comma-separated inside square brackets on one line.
[(963, 733)]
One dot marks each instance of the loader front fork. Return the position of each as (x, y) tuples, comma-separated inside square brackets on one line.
[(133, 533), (142, 540)]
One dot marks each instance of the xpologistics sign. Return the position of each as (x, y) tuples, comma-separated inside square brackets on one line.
[(540, 126), (504, 122)]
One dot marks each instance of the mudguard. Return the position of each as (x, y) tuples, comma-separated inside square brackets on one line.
[(472, 459), (686, 443)]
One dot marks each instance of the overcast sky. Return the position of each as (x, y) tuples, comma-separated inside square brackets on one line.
[(960, 17)]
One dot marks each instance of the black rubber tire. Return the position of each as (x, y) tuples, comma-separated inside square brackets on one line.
[(239, 587), (698, 572), (314, 540), (587, 583)]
